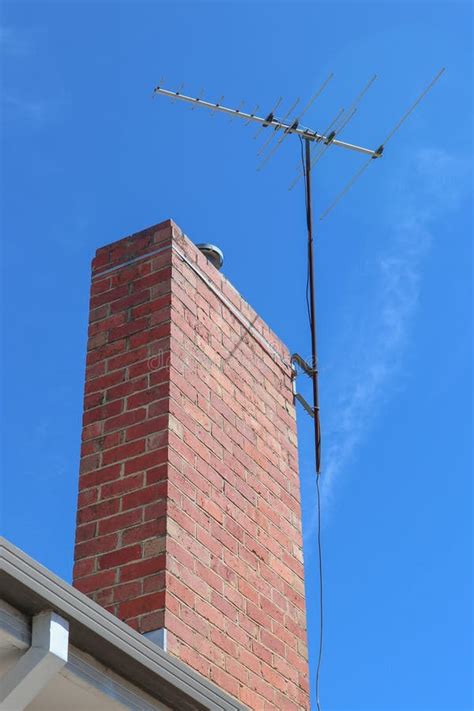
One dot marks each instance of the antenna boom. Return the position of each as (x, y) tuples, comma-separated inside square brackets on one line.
[(304, 132)]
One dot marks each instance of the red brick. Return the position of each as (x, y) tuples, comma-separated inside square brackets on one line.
[(83, 567), (151, 621), (158, 392), (262, 688), (127, 329), (87, 497), (210, 613), (119, 557), (100, 285), (256, 614), (89, 463), (152, 306), (269, 640), (154, 582), (106, 351), (214, 582), (127, 388), (103, 413), (120, 486), (142, 568), (96, 581), (106, 324), (120, 521), (100, 476), (100, 544), (125, 451), (155, 424), (107, 297), (127, 591), (98, 511), (156, 474), (91, 431), (94, 371), (121, 421), (262, 652), (182, 592), (139, 605), (124, 359), (210, 507), (85, 532), (131, 300), (224, 642), (141, 497), (155, 527), (146, 461), (150, 335), (234, 668), (158, 509), (224, 681)]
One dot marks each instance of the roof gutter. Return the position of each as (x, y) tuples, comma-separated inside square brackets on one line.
[(43, 660)]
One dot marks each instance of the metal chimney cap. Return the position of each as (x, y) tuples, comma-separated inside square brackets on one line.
[(213, 253)]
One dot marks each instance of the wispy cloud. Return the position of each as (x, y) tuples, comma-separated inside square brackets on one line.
[(433, 183), (29, 109), (19, 45)]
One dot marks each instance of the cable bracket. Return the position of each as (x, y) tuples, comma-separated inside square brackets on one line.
[(305, 404), (305, 367)]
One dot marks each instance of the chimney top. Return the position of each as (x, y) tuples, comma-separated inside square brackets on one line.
[(213, 253)]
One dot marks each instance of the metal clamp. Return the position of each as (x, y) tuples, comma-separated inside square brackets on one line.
[(306, 368)]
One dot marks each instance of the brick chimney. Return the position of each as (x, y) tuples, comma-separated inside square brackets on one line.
[(188, 511)]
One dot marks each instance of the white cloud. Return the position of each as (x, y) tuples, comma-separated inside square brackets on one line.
[(433, 183)]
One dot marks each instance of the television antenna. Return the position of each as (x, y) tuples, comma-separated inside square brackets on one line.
[(315, 146)]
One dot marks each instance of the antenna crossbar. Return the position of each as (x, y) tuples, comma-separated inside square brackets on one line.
[(269, 121)]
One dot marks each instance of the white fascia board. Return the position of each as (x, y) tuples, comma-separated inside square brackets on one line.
[(43, 660)]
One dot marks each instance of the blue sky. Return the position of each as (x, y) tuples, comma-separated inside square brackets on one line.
[(88, 157)]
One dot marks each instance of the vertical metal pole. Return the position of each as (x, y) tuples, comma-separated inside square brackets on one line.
[(312, 307), (317, 428)]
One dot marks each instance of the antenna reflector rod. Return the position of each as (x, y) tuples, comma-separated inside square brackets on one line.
[(380, 149), (413, 106)]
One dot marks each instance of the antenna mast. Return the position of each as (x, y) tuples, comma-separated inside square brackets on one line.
[(312, 308)]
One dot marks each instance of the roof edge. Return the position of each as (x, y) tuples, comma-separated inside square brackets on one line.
[(171, 680)]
